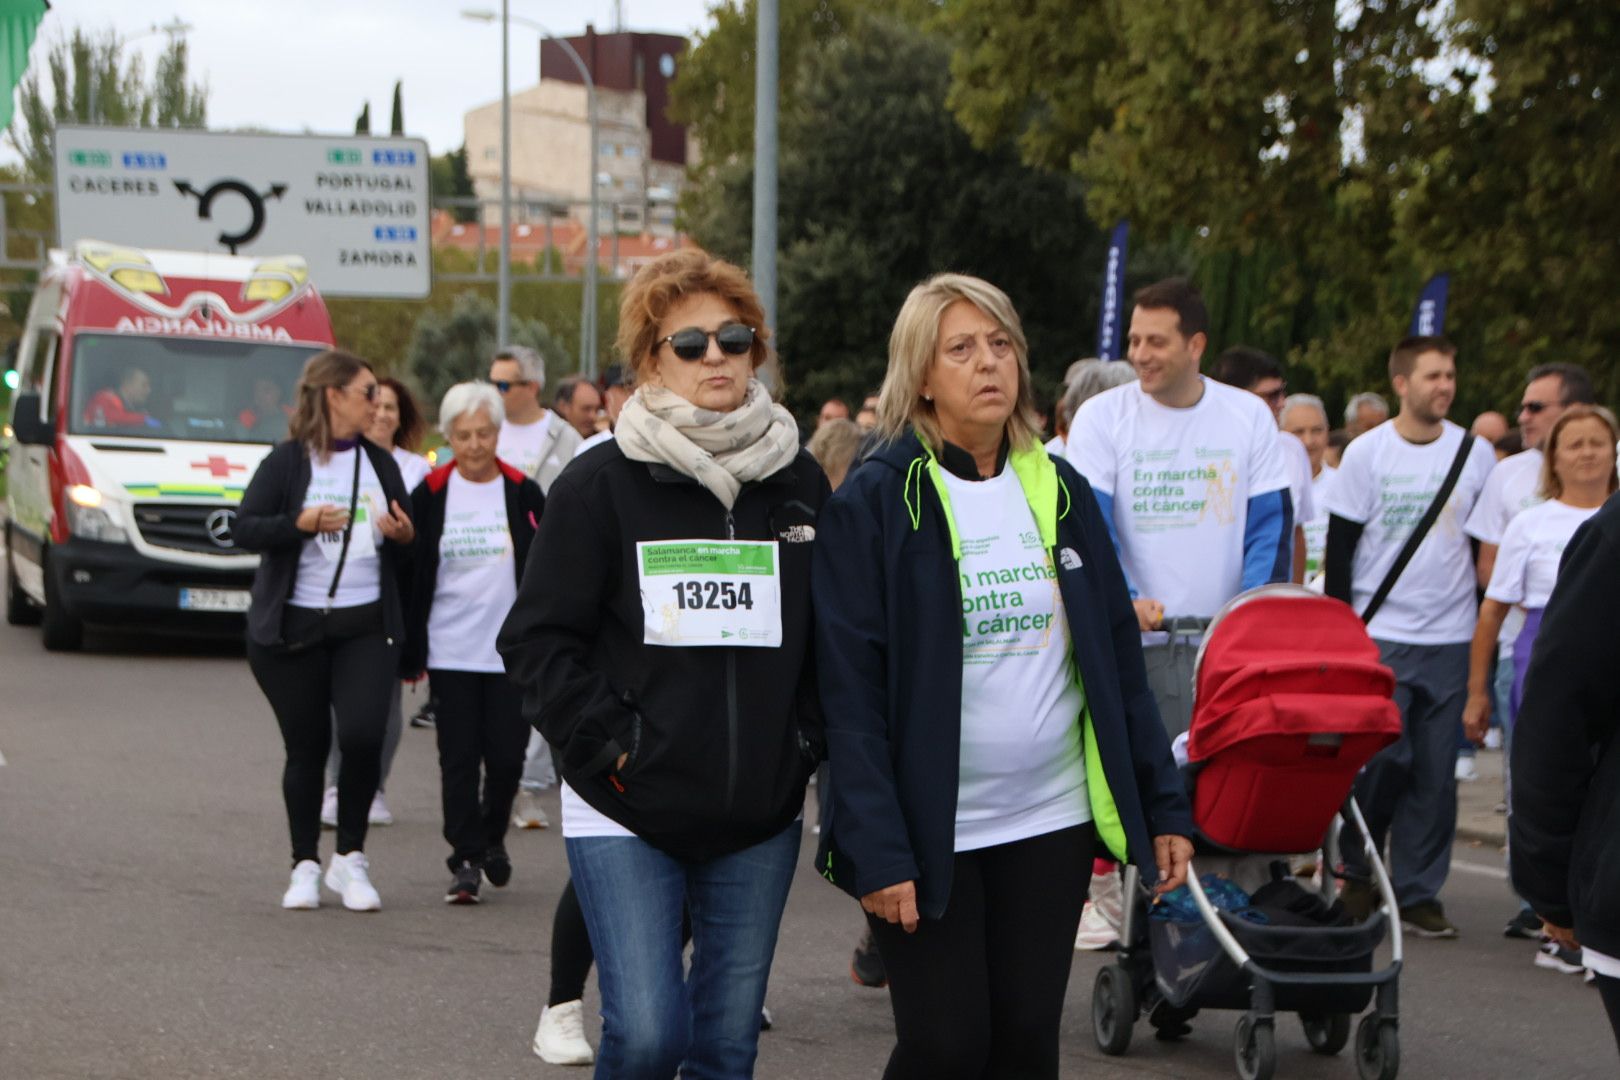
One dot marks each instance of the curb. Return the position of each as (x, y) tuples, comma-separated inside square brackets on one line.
[(1494, 837)]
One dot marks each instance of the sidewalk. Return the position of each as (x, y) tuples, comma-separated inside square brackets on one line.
[(1477, 818)]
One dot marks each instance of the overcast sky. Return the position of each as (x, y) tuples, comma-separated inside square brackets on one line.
[(311, 64)]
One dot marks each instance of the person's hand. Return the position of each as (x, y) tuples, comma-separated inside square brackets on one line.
[(1149, 614), (1171, 853), (396, 524), (1561, 934), (322, 519), (1477, 717), (896, 904), (618, 766)]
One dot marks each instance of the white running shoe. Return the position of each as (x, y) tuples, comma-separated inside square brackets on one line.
[(527, 812), (1103, 914), (379, 813), (1467, 770), (347, 876), (1493, 739), (560, 1038), (304, 890), (329, 808)]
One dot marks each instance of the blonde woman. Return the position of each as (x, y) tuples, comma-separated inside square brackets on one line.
[(989, 720)]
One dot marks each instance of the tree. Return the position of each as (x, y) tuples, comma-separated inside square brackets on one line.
[(448, 178), (881, 188), (454, 346), (1320, 160), (92, 84), (362, 123), (396, 121)]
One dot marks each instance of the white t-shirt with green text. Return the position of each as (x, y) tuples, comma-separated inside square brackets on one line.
[(1180, 481), (331, 483), (477, 580), (1386, 484), (1021, 773)]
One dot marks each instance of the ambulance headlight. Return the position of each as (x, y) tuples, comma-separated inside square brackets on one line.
[(91, 517)]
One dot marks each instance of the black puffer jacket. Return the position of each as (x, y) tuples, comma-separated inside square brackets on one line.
[(1564, 823), (722, 740)]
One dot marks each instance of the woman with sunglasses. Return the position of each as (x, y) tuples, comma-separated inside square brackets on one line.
[(397, 427), (670, 668), (988, 713), (326, 511)]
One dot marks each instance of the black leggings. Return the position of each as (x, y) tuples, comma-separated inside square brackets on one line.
[(341, 681), (1609, 989), (978, 993), (480, 730)]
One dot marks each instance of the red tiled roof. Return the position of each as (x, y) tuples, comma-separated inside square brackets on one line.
[(566, 235)]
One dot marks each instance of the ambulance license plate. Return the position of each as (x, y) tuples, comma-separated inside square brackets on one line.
[(213, 600)]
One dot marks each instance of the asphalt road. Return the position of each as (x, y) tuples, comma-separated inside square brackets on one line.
[(143, 850)]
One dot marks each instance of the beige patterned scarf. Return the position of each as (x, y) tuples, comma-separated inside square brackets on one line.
[(720, 450)]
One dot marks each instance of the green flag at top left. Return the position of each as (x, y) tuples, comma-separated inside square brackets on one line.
[(19, 20)]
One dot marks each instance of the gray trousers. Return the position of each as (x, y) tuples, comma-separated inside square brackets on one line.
[(1408, 792)]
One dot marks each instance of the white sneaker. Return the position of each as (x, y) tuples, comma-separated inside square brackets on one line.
[(329, 808), (1104, 912), (527, 812), (560, 1038), (1493, 739), (379, 813), (304, 890), (347, 876), (1467, 770)]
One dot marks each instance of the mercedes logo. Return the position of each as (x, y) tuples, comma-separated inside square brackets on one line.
[(219, 525)]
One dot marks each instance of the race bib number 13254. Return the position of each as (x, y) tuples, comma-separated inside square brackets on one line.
[(710, 592)]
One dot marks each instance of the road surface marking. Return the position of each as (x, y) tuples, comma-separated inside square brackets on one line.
[(1497, 872)]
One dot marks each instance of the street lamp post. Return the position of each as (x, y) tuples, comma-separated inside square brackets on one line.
[(587, 315)]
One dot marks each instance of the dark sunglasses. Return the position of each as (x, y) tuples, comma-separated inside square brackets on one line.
[(1534, 407), (734, 339), (369, 393), (503, 385)]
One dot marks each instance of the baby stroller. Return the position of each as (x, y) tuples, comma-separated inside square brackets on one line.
[(1290, 701)]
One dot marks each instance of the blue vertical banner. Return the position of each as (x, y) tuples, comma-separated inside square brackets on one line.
[(1429, 317), (1110, 318)]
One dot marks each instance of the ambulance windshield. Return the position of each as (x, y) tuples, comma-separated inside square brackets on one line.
[(179, 388)]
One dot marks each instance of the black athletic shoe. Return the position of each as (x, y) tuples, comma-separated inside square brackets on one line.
[(498, 866), (464, 886), (866, 966), (425, 717), (1525, 925)]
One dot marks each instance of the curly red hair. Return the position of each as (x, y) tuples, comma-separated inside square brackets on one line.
[(661, 283)]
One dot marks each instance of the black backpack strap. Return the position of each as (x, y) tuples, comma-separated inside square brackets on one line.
[(1414, 541), (348, 529)]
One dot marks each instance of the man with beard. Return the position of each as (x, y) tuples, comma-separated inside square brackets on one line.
[(1386, 483)]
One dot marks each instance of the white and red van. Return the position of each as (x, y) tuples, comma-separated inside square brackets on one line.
[(150, 385)]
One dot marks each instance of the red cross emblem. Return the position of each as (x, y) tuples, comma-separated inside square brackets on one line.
[(218, 466)]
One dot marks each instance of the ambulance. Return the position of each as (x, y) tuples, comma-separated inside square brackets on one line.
[(150, 385)]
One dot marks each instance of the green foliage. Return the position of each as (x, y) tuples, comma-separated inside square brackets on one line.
[(396, 119), (1318, 161), (880, 188), (91, 83), (448, 177), (362, 123), (452, 346)]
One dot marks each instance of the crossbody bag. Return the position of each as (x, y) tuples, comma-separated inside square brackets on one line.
[(1414, 541)]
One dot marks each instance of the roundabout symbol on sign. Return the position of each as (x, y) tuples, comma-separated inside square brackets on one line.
[(255, 201)]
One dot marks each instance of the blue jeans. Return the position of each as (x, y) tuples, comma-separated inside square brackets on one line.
[(655, 1017)]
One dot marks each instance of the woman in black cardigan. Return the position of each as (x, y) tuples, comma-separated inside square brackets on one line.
[(477, 517), (326, 509)]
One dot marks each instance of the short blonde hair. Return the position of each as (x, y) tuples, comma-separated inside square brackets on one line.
[(1552, 485), (834, 446), (466, 398), (914, 346), (669, 278)]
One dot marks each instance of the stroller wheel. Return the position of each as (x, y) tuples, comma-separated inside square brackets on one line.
[(1254, 1048), (1378, 1048), (1326, 1032), (1113, 1009)]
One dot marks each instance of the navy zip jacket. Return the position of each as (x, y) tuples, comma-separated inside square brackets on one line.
[(889, 662), (524, 505)]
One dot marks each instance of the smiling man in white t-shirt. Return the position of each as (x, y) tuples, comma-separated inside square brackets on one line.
[(1386, 483)]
